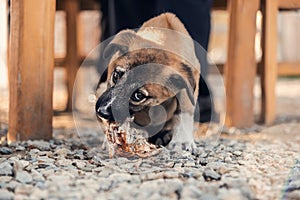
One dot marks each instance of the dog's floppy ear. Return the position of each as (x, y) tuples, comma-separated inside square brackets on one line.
[(119, 43), (167, 20), (177, 83)]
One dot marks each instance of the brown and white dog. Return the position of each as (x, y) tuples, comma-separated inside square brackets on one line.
[(152, 78)]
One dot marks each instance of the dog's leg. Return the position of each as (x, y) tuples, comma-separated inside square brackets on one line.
[(183, 137)]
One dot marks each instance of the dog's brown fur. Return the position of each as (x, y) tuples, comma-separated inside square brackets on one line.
[(182, 67)]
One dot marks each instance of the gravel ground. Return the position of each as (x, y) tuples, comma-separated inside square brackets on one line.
[(257, 163), (238, 165)]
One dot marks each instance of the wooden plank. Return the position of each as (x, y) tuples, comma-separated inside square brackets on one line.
[(269, 60), (31, 69), (289, 69), (60, 62), (240, 69), (289, 4), (219, 5), (72, 65), (284, 69), (84, 5)]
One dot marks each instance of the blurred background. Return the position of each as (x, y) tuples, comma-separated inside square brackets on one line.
[(88, 29)]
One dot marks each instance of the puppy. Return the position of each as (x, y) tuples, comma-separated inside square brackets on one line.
[(151, 78)]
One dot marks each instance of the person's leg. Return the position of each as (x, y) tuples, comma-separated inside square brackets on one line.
[(118, 15), (195, 15)]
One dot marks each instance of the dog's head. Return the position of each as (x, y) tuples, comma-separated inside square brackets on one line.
[(150, 74)]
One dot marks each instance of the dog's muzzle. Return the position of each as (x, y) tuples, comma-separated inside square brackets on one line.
[(104, 107)]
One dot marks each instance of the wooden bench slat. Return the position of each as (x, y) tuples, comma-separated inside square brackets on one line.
[(289, 4)]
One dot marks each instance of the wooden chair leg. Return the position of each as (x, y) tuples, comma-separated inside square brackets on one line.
[(269, 60), (72, 62), (31, 69), (240, 68)]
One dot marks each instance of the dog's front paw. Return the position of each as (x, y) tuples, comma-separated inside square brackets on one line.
[(179, 146)]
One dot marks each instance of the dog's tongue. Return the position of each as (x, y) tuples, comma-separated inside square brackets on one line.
[(125, 141)]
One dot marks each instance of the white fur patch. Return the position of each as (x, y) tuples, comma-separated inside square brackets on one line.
[(183, 132)]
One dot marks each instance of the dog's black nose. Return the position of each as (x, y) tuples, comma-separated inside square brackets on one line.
[(104, 112), (103, 108)]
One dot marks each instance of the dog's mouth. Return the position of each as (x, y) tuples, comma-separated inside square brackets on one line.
[(124, 140)]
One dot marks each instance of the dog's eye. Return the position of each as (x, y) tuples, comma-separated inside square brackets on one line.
[(138, 96), (116, 76)]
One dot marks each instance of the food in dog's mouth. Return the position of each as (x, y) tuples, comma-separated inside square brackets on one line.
[(125, 141)]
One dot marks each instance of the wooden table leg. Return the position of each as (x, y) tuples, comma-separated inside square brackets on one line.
[(72, 61), (269, 60), (240, 69), (31, 69)]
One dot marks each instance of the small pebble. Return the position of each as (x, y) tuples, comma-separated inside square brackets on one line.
[(294, 185), (5, 151), (237, 153), (210, 175), (23, 177), (6, 195), (12, 185), (23, 189), (190, 164), (20, 148), (5, 179), (6, 169), (36, 176), (39, 144), (228, 159), (177, 165), (203, 161)]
